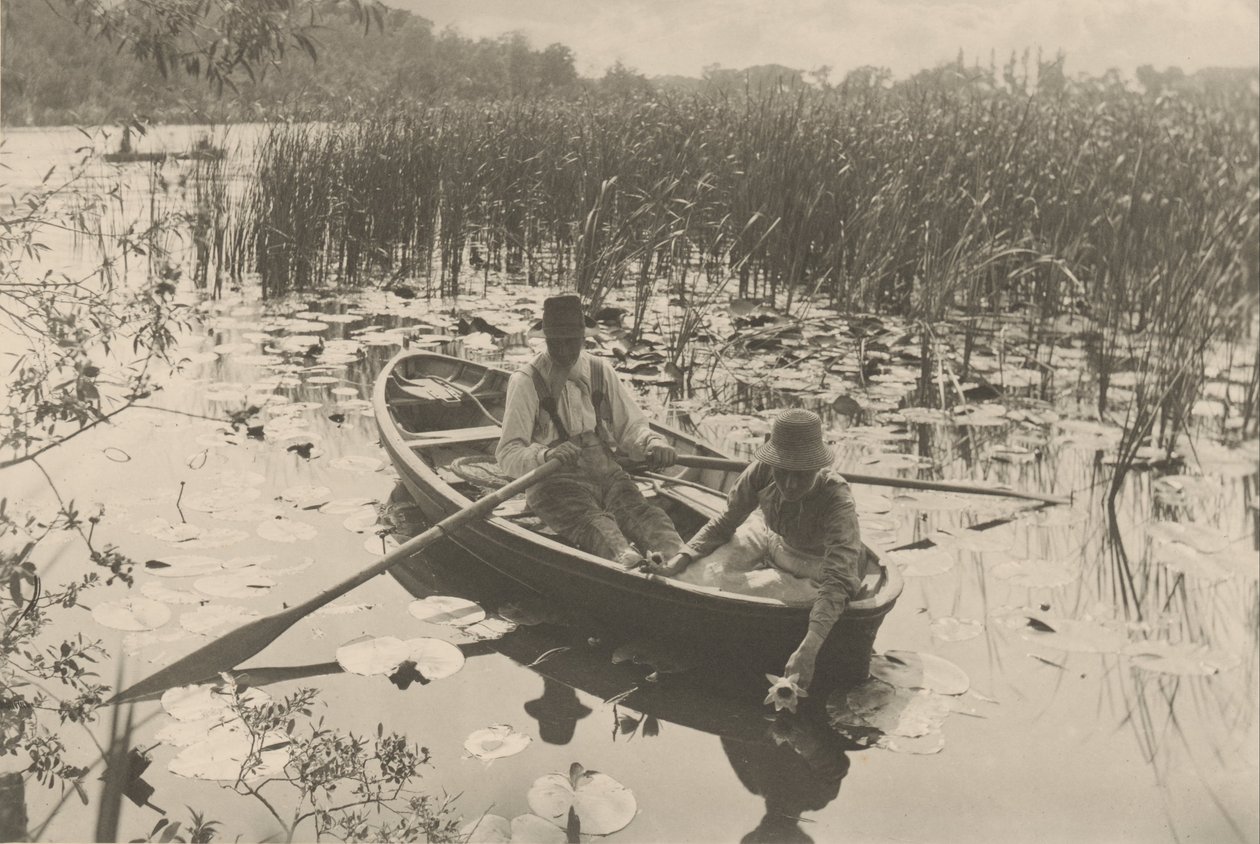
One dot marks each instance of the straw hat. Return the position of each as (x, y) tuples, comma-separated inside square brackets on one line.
[(796, 443), (562, 317)]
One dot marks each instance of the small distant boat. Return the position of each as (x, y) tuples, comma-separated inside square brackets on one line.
[(439, 422)]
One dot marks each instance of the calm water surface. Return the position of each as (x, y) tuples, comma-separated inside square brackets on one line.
[(1050, 744)]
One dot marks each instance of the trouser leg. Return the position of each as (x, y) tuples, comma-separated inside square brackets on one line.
[(571, 507), (642, 521)]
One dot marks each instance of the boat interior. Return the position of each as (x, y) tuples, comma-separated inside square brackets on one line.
[(449, 410)]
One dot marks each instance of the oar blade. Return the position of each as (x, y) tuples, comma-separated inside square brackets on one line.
[(207, 662)]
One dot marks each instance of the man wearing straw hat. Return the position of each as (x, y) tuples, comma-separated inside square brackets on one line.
[(566, 404), (810, 531)]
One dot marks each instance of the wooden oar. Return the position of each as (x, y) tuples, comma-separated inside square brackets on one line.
[(695, 461), (240, 644)]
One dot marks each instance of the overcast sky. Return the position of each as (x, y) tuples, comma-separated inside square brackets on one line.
[(682, 36)]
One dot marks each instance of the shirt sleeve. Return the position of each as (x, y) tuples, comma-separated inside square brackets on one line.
[(630, 427), (517, 453), (842, 554), (740, 502)]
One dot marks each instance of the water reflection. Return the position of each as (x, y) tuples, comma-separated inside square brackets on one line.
[(557, 712)]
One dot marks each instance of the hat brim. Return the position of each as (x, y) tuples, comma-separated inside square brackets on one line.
[(814, 458)]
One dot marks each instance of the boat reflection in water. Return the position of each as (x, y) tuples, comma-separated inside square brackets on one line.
[(793, 761)]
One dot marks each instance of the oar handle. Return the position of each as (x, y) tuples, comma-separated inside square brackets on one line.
[(695, 461), (478, 509)]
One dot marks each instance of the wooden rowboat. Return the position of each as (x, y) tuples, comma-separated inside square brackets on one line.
[(438, 418)]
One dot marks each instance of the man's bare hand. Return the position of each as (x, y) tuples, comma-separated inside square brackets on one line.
[(659, 456), (567, 453), (671, 567)]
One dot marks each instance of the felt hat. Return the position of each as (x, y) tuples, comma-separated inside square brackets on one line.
[(796, 443), (562, 317), (557, 712)]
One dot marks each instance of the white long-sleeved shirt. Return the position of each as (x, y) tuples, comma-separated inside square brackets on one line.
[(528, 430)]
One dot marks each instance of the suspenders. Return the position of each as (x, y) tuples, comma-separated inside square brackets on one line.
[(599, 398)]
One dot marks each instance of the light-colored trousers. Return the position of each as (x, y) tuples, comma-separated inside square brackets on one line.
[(756, 561)]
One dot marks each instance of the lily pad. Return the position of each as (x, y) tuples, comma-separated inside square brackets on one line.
[(362, 520), (1074, 635), (213, 618), (893, 711), (1036, 574), (286, 530), (225, 754), (921, 562), (207, 700), (357, 463), (950, 629), (1182, 660), (220, 498), (306, 496), (445, 609), (1182, 558), (523, 829), (132, 613), (496, 742), (160, 592), (912, 670), (433, 658), (1202, 538), (602, 804), (183, 565), (342, 506), (372, 655), (242, 584)]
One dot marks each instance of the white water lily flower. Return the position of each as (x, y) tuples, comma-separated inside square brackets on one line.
[(784, 692), (496, 742)]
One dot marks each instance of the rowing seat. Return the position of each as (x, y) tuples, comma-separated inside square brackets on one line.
[(430, 388)]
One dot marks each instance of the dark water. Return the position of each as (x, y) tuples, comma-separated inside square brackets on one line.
[(1072, 737)]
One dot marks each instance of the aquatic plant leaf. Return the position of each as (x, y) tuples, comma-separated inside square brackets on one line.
[(381, 544), (488, 829), (362, 520), (160, 528), (215, 538), (357, 463), (1202, 538), (490, 629), (924, 745), (165, 594), (1182, 558), (912, 670), (496, 742), (213, 618), (225, 755), (445, 609), (434, 658), (286, 530), (1036, 574), (185, 733), (220, 498), (368, 656), (132, 613), (921, 562), (927, 501), (343, 506), (531, 829), (1075, 635), (897, 711), (183, 565), (1181, 660), (950, 629), (976, 541), (244, 584), (208, 701), (306, 496), (602, 804)]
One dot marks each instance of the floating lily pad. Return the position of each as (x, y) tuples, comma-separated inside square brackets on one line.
[(912, 670), (372, 655), (381, 545), (975, 541), (1182, 558), (167, 595), (220, 498), (286, 530), (496, 742), (185, 733), (307, 496), (1075, 635), (955, 629), (1036, 574), (342, 506), (1182, 660), (433, 658), (891, 710), (183, 565), (160, 528), (921, 562), (491, 628), (925, 745), (602, 804), (361, 521), (523, 829), (132, 613), (215, 538), (243, 584), (224, 755), (445, 609), (211, 619), (207, 700), (1202, 538)]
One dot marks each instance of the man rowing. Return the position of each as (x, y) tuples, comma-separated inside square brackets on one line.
[(809, 529), (570, 406)]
